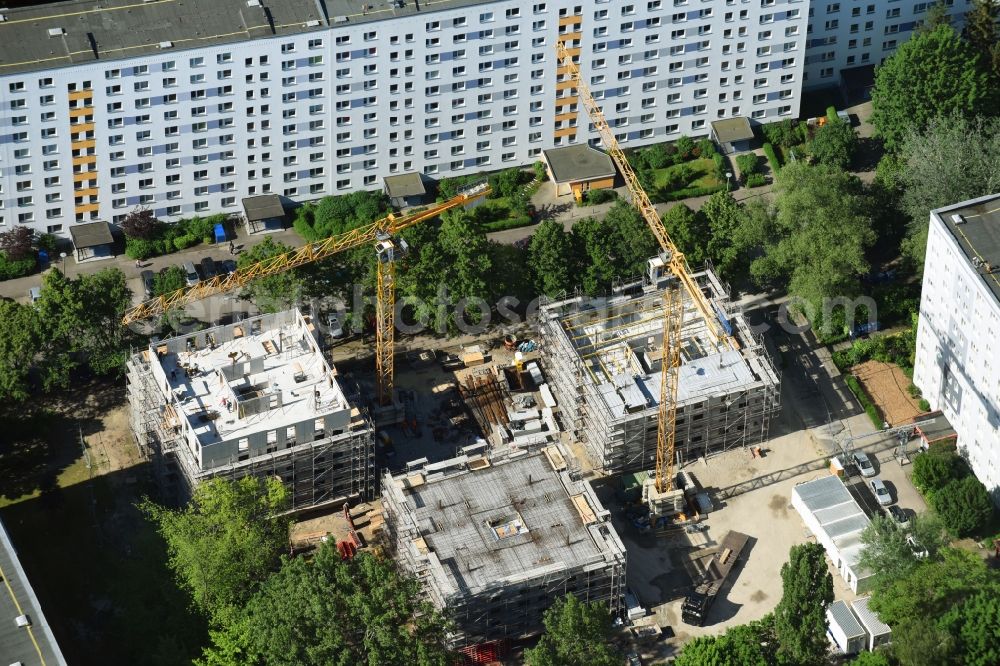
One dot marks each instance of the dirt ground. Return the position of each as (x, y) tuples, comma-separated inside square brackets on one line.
[(886, 384)]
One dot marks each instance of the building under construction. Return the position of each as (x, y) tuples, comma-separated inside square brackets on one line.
[(254, 397), (603, 359), (495, 542)]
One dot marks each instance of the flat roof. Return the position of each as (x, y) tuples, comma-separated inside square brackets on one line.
[(505, 520), (30, 38), (578, 162), (263, 207), (978, 236), (840, 613), (286, 370), (837, 513), (115, 29), (91, 234), (405, 185), (30, 646), (936, 428), (732, 129), (868, 618)]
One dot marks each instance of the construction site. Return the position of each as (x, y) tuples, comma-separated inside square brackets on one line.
[(255, 397), (496, 539), (604, 358)]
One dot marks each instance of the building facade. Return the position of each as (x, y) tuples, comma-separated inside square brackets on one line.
[(957, 350), (188, 107), (844, 37)]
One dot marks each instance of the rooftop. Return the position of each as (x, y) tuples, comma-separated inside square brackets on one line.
[(263, 207), (260, 379), (620, 341), (70, 33), (91, 234), (405, 185), (732, 129), (868, 618), (491, 523), (977, 233), (837, 513), (33, 645), (841, 613), (578, 162)]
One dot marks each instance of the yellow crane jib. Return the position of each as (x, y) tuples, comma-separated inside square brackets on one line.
[(673, 258)]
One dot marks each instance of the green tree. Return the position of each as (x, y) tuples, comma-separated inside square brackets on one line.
[(747, 645), (506, 183), (885, 551), (168, 281), (736, 233), (800, 617), (330, 611), (935, 469), (690, 231), (20, 343), (16, 244), (932, 74), (981, 32), (964, 505), (937, 17), (226, 541), (617, 246), (337, 214), (975, 625), (140, 223), (823, 233), (834, 144), (953, 159), (575, 633), (100, 337), (921, 641), (469, 263), (274, 292), (871, 659), (551, 258)]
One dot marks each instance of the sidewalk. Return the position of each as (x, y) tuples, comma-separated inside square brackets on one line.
[(17, 289)]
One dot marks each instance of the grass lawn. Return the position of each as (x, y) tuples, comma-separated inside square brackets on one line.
[(703, 174)]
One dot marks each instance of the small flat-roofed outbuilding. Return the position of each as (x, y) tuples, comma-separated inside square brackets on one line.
[(732, 134), (579, 168), (263, 213), (92, 240), (844, 630), (405, 189), (877, 632), (935, 430)]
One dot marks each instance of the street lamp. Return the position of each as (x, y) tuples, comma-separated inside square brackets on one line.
[(62, 255), (729, 174)]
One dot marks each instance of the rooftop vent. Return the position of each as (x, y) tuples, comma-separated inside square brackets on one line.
[(312, 24), (957, 219), (3, 17), (166, 45), (253, 3), (340, 19), (56, 32)]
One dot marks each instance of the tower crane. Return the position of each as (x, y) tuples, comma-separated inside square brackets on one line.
[(381, 234), (671, 259)]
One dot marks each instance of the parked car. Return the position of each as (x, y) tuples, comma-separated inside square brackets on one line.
[(881, 492), (147, 277), (227, 266), (332, 321), (918, 551), (208, 269), (898, 516), (34, 294), (864, 463), (191, 277)]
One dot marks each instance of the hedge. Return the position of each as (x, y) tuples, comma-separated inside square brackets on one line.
[(175, 236), (831, 114), (15, 269), (772, 158), (866, 403), (756, 180), (689, 192), (509, 223)]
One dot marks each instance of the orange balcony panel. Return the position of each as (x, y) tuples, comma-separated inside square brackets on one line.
[(81, 94), (562, 70), (566, 131), (87, 192), (86, 208), (570, 37), (84, 175), (566, 85), (86, 143), (565, 101), (565, 117), (569, 20), (574, 52), (81, 111), (84, 159), (76, 128)]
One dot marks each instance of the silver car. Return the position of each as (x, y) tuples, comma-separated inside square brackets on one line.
[(864, 463), (881, 492)]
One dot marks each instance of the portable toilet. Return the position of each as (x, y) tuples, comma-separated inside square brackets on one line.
[(878, 632), (844, 630)]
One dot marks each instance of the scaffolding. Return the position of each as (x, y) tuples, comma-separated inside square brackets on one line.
[(496, 541), (604, 356), (310, 435)]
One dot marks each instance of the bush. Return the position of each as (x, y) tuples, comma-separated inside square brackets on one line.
[(720, 166), (685, 145), (831, 114), (964, 505), (936, 469), (508, 223), (866, 403), (48, 242), (15, 269), (184, 242), (595, 197), (747, 163), (540, 173), (924, 405), (706, 147), (689, 192), (138, 248), (756, 180), (784, 133), (772, 158)]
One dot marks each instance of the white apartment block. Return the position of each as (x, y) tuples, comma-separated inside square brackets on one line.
[(958, 337), (854, 35), (188, 106)]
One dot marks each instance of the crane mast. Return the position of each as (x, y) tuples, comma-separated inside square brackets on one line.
[(381, 234)]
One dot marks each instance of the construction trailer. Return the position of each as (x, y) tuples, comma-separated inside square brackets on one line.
[(843, 629), (496, 541), (603, 357), (256, 397)]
